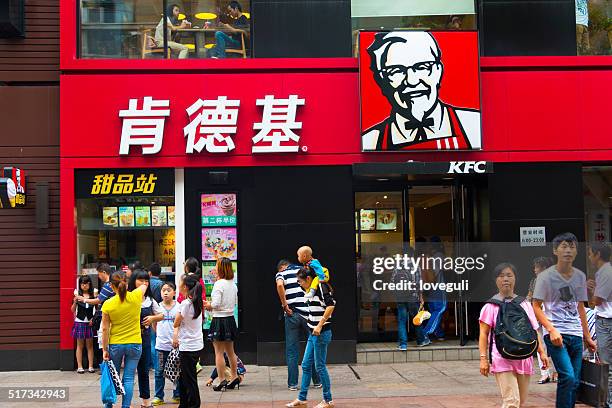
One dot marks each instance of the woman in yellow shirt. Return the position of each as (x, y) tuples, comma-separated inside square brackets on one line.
[(121, 339)]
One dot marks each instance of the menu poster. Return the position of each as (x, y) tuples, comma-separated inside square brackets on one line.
[(126, 216), (171, 216), (386, 220), (367, 220), (218, 210), (102, 245), (209, 276), (143, 216), (159, 216), (110, 216), (218, 243), (166, 244)]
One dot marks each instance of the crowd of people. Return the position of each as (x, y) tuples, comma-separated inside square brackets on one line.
[(551, 322), (139, 320), (563, 330)]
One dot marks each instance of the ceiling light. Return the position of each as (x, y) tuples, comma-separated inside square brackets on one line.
[(382, 179), (385, 197), (378, 202)]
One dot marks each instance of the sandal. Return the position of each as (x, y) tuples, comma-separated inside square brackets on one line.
[(544, 380), (80, 371), (92, 370)]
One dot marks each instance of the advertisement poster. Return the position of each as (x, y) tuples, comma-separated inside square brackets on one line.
[(110, 216), (209, 276), (12, 188), (171, 216), (367, 220), (159, 216), (218, 243), (166, 246), (218, 210), (143, 216), (126, 216), (386, 220), (599, 225), (420, 90), (102, 245)]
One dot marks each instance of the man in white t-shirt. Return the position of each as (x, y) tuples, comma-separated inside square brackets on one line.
[(601, 291), (562, 289)]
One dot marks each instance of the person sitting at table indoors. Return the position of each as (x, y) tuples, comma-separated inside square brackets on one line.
[(239, 26), (172, 25)]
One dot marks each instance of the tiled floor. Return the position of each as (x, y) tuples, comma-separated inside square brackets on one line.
[(448, 350), (449, 384)]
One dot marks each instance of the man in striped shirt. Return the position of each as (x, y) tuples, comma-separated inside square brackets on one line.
[(320, 309), (295, 312)]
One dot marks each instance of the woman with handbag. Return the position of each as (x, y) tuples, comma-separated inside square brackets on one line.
[(223, 330), (512, 375), (121, 338)]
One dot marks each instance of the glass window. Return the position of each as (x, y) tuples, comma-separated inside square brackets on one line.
[(122, 230), (411, 14), (593, 27), (194, 29), (379, 230), (597, 191)]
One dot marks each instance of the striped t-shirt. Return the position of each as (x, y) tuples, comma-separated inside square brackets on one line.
[(322, 299), (293, 292)]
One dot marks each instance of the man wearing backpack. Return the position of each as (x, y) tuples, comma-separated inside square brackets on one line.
[(409, 303), (562, 289), (508, 339)]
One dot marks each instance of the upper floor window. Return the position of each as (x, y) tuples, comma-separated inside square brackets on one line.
[(411, 14), (140, 29), (593, 27)]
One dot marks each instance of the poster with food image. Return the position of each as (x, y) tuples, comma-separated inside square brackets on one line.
[(386, 220), (143, 216), (171, 216), (126, 216), (159, 216), (218, 243), (367, 219), (209, 276), (110, 216), (218, 210)]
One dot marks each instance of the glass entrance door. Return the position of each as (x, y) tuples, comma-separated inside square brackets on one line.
[(435, 219)]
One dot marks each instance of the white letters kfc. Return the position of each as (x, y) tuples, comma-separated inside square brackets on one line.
[(211, 123)]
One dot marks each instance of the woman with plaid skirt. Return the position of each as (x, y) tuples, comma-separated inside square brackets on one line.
[(82, 330)]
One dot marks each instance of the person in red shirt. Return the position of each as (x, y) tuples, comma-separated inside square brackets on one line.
[(192, 266)]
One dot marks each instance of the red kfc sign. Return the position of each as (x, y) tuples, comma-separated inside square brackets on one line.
[(419, 91)]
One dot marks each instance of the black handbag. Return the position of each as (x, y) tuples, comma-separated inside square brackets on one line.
[(593, 389), (96, 321)]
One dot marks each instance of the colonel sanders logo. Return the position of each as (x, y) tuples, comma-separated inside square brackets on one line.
[(408, 68)]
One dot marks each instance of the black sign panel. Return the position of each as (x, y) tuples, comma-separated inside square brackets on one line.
[(414, 167), (124, 182)]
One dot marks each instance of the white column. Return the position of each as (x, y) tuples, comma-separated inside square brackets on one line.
[(179, 229)]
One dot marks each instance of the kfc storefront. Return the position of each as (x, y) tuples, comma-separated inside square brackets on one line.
[(418, 138)]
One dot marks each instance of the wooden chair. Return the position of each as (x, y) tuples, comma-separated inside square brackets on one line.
[(242, 50), (145, 45)]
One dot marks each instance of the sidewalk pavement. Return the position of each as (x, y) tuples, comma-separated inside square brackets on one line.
[(439, 384)]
